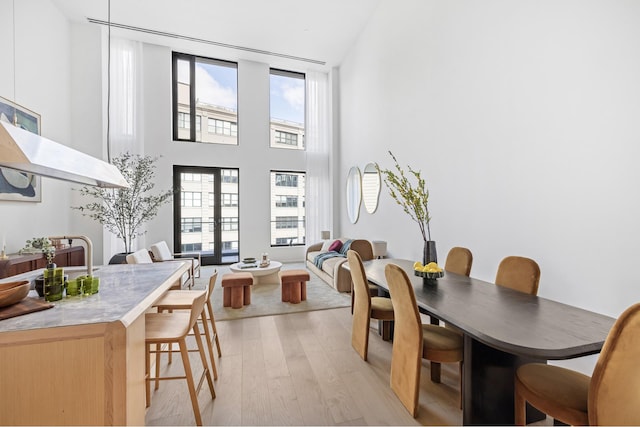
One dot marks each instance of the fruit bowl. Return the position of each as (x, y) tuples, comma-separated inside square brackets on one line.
[(14, 292), (428, 274)]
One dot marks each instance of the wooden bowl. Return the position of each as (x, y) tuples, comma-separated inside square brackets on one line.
[(13, 292)]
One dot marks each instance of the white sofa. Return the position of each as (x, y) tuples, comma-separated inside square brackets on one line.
[(331, 271)]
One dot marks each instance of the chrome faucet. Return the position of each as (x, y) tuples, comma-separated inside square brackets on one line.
[(89, 255)]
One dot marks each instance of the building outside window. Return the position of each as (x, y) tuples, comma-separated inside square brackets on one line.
[(230, 246), (191, 225), (190, 199), (229, 199), (286, 180), (230, 176), (229, 224), (287, 201), (285, 241), (286, 138), (287, 208), (287, 106), (222, 127), (183, 121), (191, 247)]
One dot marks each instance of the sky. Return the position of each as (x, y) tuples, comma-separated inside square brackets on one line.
[(218, 85)]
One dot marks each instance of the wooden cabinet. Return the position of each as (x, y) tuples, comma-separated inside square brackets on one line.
[(16, 264)]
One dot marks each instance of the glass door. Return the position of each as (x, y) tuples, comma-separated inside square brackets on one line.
[(206, 214)]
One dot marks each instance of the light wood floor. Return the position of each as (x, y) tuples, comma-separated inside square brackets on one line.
[(300, 369)]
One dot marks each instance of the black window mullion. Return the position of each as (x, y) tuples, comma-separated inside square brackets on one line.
[(192, 98)]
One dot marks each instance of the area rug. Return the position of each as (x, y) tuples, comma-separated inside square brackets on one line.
[(266, 298)]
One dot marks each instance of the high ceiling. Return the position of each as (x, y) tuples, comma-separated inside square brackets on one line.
[(309, 31)]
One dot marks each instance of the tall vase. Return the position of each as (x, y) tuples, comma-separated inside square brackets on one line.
[(429, 254)]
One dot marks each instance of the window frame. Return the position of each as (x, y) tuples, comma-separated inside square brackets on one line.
[(296, 75), (193, 128)]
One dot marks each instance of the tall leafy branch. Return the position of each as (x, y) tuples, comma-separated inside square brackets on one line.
[(413, 198), (124, 211)]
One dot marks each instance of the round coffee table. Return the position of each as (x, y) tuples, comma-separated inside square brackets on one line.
[(268, 274)]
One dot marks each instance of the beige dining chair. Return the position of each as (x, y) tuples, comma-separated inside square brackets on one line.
[(519, 273), (364, 248), (141, 256), (183, 300), (365, 306), (413, 340), (459, 261), (166, 328), (160, 252), (609, 397)]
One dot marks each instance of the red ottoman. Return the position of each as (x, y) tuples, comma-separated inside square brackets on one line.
[(236, 289), (294, 285)]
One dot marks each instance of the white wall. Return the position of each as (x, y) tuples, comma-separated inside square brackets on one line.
[(523, 117), (40, 80)]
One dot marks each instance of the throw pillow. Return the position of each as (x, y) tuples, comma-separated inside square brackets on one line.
[(325, 245), (335, 246)]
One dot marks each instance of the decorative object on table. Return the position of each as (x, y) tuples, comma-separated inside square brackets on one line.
[(265, 260), (16, 185), (123, 211), (429, 272), (39, 284), (13, 292), (248, 263), (325, 235), (53, 284), (414, 201), (40, 244)]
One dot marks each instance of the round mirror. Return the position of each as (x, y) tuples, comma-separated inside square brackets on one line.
[(354, 194), (370, 187)]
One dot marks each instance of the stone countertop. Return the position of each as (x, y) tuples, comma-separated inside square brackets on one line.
[(126, 291)]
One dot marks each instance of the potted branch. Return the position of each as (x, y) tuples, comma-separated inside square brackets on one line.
[(124, 211), (413, 198)]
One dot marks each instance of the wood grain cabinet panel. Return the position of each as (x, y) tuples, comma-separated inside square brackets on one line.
[(16, 263)]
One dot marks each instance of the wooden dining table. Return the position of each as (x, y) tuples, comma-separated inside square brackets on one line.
[(502, 329)]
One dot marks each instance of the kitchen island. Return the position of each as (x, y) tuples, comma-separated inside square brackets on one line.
[(82, 361)]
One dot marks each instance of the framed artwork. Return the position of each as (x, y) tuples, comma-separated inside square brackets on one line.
[(16, 185)]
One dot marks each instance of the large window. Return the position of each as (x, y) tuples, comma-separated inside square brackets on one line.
[(205, 88), (287, 104), (208, 214), (287, 208)]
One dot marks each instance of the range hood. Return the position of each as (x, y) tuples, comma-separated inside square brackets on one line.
[(31, 153)]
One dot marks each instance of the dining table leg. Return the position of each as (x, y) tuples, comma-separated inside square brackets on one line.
[(489, 385), (436, 368)]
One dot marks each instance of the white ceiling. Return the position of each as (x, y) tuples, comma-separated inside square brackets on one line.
[(317, 30)]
